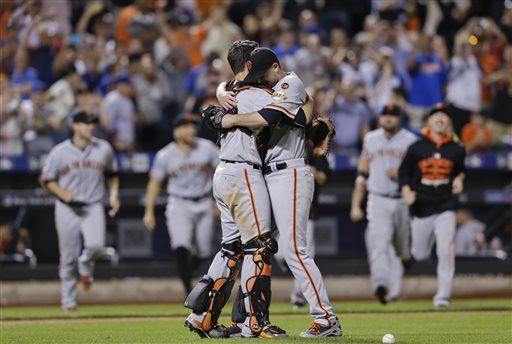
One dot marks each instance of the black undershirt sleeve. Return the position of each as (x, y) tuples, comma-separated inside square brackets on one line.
[(272, 116)]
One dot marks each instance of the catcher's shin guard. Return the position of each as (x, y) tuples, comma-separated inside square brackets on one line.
[(258, 286), (219, 289), (238, 314)]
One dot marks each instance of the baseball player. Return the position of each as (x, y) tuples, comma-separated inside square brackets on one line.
[(289, 179), (75, 173), (187, 164), (431, 176), (242, 198), (388, 233)]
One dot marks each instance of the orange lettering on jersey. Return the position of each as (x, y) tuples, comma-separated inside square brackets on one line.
[(435, 169)]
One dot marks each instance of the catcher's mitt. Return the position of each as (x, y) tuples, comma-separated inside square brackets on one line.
[(212, 116), (320, 134)]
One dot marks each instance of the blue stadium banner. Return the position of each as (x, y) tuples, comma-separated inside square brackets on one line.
[(141, 162)]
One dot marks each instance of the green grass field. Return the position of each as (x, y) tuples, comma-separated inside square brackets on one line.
[(466, 321)]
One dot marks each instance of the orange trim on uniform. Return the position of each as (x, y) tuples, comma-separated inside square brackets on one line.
[(282, 109), (295, 243), (252, 201), (243, 88), (428, 134)]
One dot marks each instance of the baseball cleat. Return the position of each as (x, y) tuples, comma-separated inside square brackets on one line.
[(272, 331), (235, 330), (381, 294), (86, 282), (318, 330), (69, 309), (442, 303), (194, 325)]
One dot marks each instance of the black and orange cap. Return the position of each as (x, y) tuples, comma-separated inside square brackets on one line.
[(391, 110)]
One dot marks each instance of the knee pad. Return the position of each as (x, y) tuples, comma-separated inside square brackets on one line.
[(219, 290), (262, 250), (197, 299)]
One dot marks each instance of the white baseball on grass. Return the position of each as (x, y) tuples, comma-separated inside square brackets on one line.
[(388, 339)]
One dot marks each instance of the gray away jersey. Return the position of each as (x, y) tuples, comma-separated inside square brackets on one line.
[(383, 154), (236, 145), (82, 171), (190, 175), (287, 141)]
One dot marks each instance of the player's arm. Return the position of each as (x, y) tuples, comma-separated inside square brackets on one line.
[(405, 173), (458, 181), (225, 98), (356, 212), (157, 175), (268, 116), (113, 189), (53, 187), (152, 192)]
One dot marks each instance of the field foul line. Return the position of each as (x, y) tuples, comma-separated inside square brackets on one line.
[(183, 317)]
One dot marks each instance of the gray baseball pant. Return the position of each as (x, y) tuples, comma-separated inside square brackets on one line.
[(75, 225), (438, 228), (387, 242)]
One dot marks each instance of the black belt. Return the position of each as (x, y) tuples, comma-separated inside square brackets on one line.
[(193, 199), (387, 195), (256, 167), (279, 166)]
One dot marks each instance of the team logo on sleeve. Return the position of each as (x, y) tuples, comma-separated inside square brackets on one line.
[(279, 95), (284, 86)]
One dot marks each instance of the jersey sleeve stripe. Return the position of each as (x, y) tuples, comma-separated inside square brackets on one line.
[(282, 109)]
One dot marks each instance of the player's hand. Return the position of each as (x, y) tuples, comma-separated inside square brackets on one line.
[(66, 195), (409, 197), (114, 206), (227, 100), (356, 214), (213, 116), (149, 221), (457, 186), (392, 173)]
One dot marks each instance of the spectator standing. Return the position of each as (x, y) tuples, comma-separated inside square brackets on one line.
[(464, 91), (351, 116), (475, 136), (428, 73), (119, 115)]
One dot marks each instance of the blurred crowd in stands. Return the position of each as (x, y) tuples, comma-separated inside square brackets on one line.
[(138, 64)]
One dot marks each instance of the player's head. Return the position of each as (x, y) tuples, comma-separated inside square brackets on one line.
[(83, 124), (185, 129), (264, 66), (438, 120), (238, 54), (390, 117)]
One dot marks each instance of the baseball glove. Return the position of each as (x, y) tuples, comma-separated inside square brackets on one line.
[(212, 116), (320, 134)]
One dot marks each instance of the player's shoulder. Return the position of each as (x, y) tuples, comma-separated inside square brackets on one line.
[(101, 143), (206, 144), (373, 135), (290, 80), (250, 91), (60, 147), (408, 134)]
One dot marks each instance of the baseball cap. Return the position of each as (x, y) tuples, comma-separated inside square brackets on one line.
[(185, 119), (392, 110), (259, 62), (439, 107), (81, 116)]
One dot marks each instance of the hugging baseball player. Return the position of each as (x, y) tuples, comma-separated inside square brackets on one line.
[(431, 177), (288, 176), (74, 172), (242, 198), (388, 233), (187, 164)]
